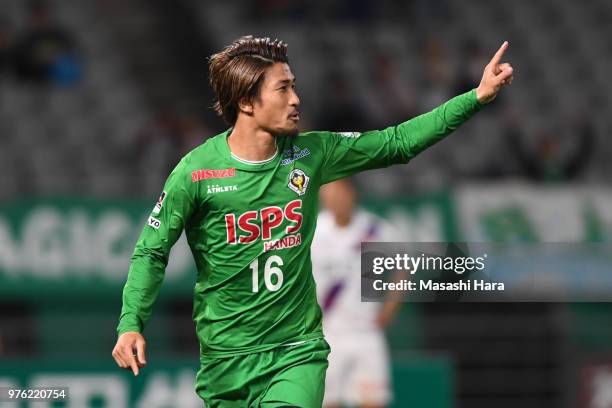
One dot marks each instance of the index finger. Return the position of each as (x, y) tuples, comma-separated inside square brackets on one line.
[(133, 365), (130, 359), (499, 54)]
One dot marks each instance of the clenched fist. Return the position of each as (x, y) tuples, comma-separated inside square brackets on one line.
[(495, 76), (129, 352)]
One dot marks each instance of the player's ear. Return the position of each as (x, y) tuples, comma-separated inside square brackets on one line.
[(245, 105)]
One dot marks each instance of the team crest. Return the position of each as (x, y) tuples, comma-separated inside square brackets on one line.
[(298, 181)]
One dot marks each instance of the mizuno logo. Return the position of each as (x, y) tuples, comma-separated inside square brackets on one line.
[(204, 174)]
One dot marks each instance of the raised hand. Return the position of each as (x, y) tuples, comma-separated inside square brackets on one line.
[(496, 75)]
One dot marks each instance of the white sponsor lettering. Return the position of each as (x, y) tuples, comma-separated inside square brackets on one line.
[(220, 189), (289, 241), (154, 222)]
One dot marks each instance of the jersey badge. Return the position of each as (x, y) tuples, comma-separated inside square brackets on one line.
[(298, 181)]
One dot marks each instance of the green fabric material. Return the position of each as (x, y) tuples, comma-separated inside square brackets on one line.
[(250, 226), (285, 376)]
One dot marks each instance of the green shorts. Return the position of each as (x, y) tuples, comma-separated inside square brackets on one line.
[(286, 376)]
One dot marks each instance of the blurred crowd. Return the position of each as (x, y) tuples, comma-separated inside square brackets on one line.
[(42, 52), (76, 87)]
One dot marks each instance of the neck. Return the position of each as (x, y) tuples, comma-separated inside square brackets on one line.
[(251, 143)]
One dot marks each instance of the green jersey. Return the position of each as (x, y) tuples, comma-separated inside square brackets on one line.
[(250, 225)]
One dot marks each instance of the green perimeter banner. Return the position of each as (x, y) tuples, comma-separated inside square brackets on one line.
[(81, 247), (418, 380), (168, 384), (76, 247)]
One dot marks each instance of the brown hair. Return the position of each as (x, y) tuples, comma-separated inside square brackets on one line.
[(237, 72)]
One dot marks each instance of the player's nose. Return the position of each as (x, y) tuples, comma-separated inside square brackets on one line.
[(295, 99)]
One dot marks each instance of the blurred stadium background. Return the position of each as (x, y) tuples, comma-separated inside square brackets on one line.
[(100, 98)]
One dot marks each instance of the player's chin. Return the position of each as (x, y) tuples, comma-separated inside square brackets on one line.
[(289, 130)]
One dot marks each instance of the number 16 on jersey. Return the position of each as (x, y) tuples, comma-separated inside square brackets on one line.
[(271, 268)]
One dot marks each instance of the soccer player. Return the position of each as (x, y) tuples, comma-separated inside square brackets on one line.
[(358, 373), (248, 200)]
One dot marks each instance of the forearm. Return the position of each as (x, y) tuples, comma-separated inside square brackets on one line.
[(140, 292), (150, 258), (399, 144), (425, 130)]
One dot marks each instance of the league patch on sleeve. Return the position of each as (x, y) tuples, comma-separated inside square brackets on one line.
[(160, 203)]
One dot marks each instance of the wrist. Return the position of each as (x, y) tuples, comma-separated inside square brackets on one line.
[(480, 96)]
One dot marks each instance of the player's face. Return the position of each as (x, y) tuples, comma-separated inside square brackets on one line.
[(276, 108)]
